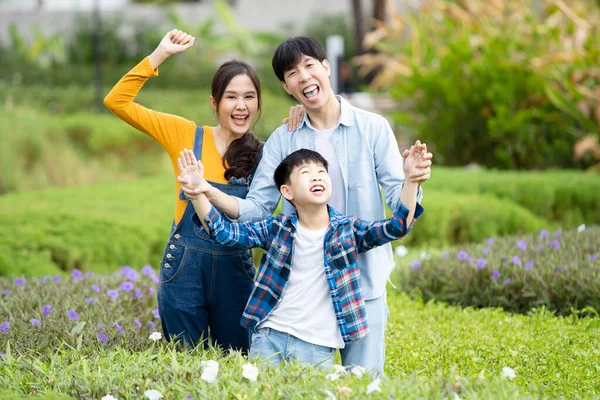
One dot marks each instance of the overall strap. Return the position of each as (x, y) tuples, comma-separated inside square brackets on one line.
[(198, 137)]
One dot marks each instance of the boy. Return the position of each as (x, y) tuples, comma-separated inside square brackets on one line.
[(307, 300), (363, 158)]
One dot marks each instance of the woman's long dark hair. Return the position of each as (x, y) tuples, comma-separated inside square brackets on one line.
[(243, 154)]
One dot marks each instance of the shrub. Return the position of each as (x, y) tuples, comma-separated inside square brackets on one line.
[(503, 84), (560, 272), (567, 197)]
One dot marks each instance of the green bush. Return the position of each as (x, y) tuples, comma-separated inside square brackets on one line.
[(560, 272), (506, 89), (567, 197)]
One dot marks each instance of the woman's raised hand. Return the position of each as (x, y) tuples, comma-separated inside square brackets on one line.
[(175, 41)]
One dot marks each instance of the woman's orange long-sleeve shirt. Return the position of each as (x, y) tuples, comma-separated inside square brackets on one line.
[(172, 132)]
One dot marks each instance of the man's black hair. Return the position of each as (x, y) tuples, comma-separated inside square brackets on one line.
[(296, 159), (289, 53)]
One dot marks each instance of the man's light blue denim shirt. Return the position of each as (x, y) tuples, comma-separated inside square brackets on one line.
[(369, 158)]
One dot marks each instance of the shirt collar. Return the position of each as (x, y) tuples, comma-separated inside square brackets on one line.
[(346, 114), (335, 218)]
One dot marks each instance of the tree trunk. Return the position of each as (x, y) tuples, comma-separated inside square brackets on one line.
[(379, 10), (359, 26)]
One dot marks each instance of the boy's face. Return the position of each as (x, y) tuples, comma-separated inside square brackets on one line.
[(309, 185), (309, 82)]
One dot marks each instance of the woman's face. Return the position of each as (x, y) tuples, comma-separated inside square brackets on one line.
[(238, 106)]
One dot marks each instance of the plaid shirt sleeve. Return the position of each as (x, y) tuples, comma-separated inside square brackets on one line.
[(239, 235), (376, 233)]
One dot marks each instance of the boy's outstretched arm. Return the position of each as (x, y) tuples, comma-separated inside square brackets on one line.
[(240, 235), (376, 233)]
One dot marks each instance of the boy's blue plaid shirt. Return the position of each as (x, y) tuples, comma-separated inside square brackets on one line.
[(345, 238)]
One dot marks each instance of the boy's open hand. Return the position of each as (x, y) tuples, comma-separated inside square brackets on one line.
[(417, 163), (191, 174)]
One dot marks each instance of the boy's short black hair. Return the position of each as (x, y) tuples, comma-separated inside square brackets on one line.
[(296, 159), (289, 53)]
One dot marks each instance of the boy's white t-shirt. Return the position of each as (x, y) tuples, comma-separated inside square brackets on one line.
[(324, 145), (306, 309)]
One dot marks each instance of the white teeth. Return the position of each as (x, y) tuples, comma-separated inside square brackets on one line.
[(311, 91)]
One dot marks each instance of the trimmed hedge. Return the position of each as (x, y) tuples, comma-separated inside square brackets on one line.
[(112, 224), (567, 197), (558, 271)]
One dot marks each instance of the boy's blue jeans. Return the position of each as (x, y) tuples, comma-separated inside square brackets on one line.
[(274, 347)]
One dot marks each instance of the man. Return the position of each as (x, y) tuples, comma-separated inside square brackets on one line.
[(362, 154)]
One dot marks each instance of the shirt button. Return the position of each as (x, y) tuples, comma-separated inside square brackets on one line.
[(172, 247), (167, 265), (169, 256), (255, 283), (177, 236)]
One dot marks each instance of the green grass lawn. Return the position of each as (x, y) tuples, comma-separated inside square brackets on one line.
[(433, 351)]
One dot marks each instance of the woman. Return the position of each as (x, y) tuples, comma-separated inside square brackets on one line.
[(202, 284)]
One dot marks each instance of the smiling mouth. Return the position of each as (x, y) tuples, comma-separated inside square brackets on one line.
[(317, 189), (240, 119), (311, 91)]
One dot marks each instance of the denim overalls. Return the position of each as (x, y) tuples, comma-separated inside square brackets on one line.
[(204, 284)]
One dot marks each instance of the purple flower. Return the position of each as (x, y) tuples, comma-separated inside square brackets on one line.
[(445, 255), (480, 263), (90, 300), (126, 286), (35, 322), (490, 241), (113, 294), (102, 337), (462, 255), (155, 313), (101, 325), (73, 316), (486, 251), (522, 245), (96, 288), (557, 234), (2, 355), (5, 293), (516, 260), (89, 274), (544, 233), (151, 290), (539, 249), (528, 265), (506, 281), (76, 275), (151, 325), (138, 294), (46, 310), (44, 279), (593, 257), (416, 264), (147, 270), (155, 278), (555, 244), (137, 323), (119, 329), (19, 281), (496, 274), (5, 326), (56, 278), (129, 273)]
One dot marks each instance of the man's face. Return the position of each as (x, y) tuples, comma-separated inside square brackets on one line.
[(310, 184), (309, 82)]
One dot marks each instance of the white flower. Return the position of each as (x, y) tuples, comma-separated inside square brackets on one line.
[(374, 386), (211, 369), (108, 397), (358, 371), (250, 372), (456, 396), (401, 251), (339, 369), (332, 377), (153, 394), (581, 228), (154, 336), (508, 372), (424, 255), (330, 396)]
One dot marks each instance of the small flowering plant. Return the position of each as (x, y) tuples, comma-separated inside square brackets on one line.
[(559, 270)]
